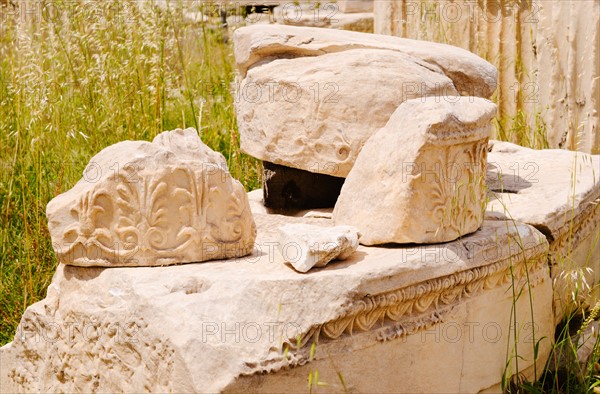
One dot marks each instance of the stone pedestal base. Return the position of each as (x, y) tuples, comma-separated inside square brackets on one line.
[(397, 319), (461, 350)]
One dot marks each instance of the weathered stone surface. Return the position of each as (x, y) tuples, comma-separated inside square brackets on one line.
[(327, 15), (305, 246), (421, 178), (316, 115), (558, 192), (254, 45), (355, 5), (560, 93), (145, 204), (306, 98), (225, 326), (520, 179), (288, 188)]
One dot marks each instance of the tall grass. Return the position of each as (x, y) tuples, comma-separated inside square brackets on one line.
[(77, 77)]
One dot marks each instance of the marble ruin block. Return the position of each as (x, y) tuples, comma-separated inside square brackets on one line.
[(439, 316), (558, 192), (305, 246), (316, 114), (421, 178), (353, 16), (145, 204), (309, 98), (259, 44)]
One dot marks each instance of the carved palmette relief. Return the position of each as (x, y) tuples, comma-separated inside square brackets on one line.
[(81, 351), (457, 202), (167, 202), (163, 216)]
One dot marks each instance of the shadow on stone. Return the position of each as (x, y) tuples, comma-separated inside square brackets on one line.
[(289, 188), (82, 273), (504, 183), (356, 258)]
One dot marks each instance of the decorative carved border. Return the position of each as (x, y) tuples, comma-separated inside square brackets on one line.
[(399, 313), (426, 321), (583, 225), (421, 301)]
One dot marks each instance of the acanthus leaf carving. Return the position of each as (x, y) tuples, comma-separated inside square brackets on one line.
[(177, 208)]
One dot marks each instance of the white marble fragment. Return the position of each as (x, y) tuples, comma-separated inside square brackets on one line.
[(421, 178), (145, 204), (306, 246), (257, 44), (316, 114)]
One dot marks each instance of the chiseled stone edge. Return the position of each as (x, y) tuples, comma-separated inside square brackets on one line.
[(426, 297), (584, 224), (428, 320), (402, 312)]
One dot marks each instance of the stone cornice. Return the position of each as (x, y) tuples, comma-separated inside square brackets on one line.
[(402, 312), (414, 303), (578, 229)]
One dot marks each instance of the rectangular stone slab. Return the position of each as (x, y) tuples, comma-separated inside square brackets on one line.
[(249, 323), (558, 192), (545, 188)]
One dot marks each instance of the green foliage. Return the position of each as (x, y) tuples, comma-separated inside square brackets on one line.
[(564, 373), (76, 78), (519, 130)]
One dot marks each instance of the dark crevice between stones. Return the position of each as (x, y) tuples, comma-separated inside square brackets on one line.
[(546, 231), (505, 191), (289, 188)]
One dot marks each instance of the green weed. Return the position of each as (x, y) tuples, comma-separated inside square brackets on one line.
[(75, 79)]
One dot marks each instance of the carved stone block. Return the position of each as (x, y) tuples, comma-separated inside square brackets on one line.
[(316, 114), (421, 178), (428, 313), (558, 192), (258, 44), (145, 204), (310, 98)]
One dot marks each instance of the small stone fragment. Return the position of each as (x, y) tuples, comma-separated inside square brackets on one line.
[(306, 246), (421, 178), (145, 204)]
